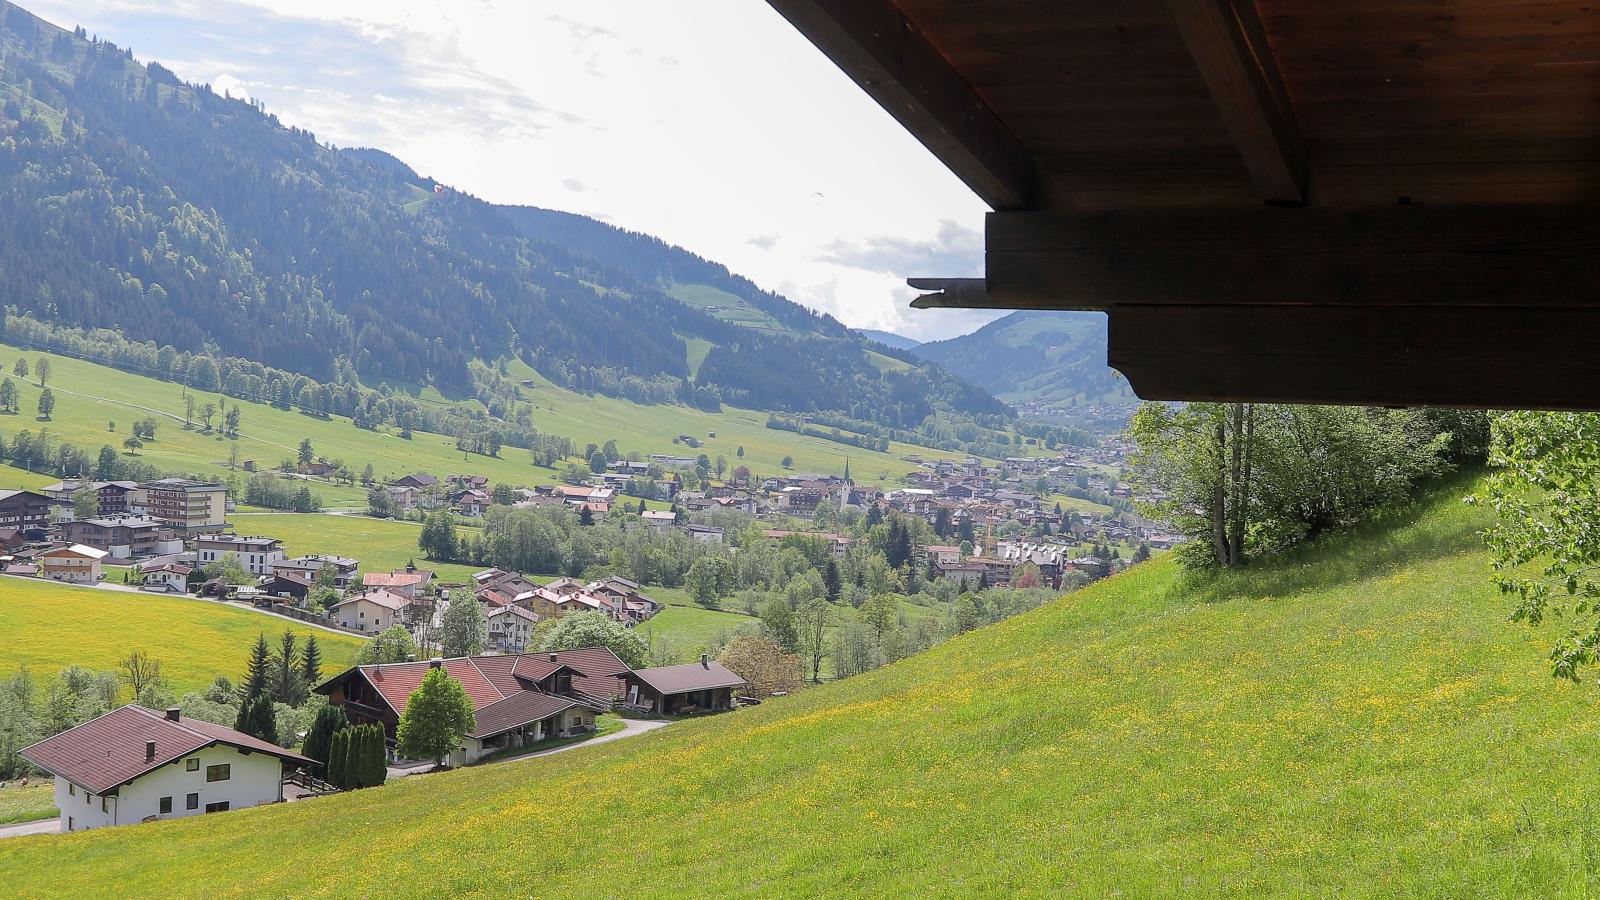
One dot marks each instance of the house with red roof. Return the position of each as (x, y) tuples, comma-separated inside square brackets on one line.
[(408, 582), (138, 765), (517, 700)]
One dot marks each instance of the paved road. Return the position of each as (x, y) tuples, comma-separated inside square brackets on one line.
[(630, 727), (42, 826)]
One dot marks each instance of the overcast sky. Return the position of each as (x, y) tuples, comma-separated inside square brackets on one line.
[(710, 123)]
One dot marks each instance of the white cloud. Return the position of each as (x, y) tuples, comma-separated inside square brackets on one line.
[(727, 125)]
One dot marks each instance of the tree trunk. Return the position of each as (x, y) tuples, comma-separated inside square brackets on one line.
[(1219, 498), (1243, 438)]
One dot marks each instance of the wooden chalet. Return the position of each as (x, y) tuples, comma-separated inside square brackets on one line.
[(1376, 202)]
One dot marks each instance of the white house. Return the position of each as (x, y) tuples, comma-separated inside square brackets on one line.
[(372, 611), (172, 577), (256, 554), (509, 628), (137, 765), (74, 563)]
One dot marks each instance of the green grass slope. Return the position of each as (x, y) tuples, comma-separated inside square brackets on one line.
[(1355, 719), (89, 396), (48, 626)]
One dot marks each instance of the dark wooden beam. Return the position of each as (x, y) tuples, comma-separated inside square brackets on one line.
[(1537, 358), (1495, 256), (883, 52), (1230, 47)]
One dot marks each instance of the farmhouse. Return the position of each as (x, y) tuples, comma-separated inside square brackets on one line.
[(73, 563), (137, 765), (517, 699), (705, 686)]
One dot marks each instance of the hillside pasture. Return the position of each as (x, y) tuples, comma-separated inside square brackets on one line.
[(48, 626)]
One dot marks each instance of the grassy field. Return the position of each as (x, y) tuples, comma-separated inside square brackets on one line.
[(381, 545), (48, 626), (27, 804), (687, 630), (1357, 719), (90, 396)]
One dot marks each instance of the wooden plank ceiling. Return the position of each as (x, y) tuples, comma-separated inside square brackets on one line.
[(1361, 201)]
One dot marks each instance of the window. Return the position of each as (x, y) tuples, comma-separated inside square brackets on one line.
[(103, 807), (192, 765), (72, 789), (191, 802), (219, 772), (220, 806), (166, 805)]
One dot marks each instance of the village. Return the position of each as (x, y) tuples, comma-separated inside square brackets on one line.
[(953, 529)]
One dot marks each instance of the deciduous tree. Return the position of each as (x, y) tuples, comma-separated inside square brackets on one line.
[(438, 715)]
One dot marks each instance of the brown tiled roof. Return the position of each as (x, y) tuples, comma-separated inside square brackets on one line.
[(385, 599), (395, 579), (490, 679), (108, 751), (689, 677), (518, 709)]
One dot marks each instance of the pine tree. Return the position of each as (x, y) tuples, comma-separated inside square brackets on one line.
[(338, 752), (830, 580), (262, 720), (319, 738), (287, 683), (377, 769), (311, 661), (257, 672)]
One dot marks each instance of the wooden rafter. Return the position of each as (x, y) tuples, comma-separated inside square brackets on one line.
[(874, 43), (1230, 47)]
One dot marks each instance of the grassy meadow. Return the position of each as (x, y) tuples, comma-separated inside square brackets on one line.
[(27, 804), (381, 545), (1356, 719), (47, 627), (91, 397)]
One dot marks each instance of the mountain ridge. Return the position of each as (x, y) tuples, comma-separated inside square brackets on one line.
[(182, 217)]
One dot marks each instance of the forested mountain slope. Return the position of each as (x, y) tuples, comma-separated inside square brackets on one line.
[(1356, 718), (180, 217), (1032, 355)]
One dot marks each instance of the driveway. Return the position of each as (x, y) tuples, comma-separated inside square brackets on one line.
[(41, 826), (630, 727)]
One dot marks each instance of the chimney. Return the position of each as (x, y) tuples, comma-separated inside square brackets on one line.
[(436, 662), (174, 714), (705, 660), (149, 750), (553, 657)]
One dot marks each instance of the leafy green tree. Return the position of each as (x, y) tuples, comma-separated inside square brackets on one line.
[(438, 715), (1544, 487), (133, 444), (597, 461), (8, 395), (42, 370), (463, 628), (1240, 478), (228, 568), (438, 538), (778, 624), (391, 645), (230, 421), (47, 403), (305, 453), (709, 579), (21, 369), (596, 629), (812, 621), (879, 612), (319, 738)]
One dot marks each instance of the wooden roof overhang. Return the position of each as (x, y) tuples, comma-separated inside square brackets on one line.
[(1362, 201)]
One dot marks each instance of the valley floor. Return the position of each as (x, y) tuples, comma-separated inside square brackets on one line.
[(1357, 719)]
